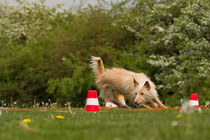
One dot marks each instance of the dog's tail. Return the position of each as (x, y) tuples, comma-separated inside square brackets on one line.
[(97, 65)]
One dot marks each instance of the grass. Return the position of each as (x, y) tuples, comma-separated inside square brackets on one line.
[(113, 124)]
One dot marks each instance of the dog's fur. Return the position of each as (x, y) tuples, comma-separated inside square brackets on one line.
[(136, 87)]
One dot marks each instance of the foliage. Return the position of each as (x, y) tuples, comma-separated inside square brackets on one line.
[(175, 36), (26, 22), (45, 53), (55, 65), (181, 46)]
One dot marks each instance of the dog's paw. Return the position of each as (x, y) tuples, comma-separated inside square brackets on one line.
[(156, 105)]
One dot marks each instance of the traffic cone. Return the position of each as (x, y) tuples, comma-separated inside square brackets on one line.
[(122, 99), (110, 105), (92, 104), (194, 100)]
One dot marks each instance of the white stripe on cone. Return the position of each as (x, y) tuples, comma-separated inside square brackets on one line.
[(92, 101), (193, 102)]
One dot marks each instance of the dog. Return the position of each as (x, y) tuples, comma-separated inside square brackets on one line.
[(136, 87)]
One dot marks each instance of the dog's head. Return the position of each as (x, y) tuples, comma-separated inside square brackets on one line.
[(143, 93)]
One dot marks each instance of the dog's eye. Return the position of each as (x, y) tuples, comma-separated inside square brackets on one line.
[(135, 93), (142, 93)]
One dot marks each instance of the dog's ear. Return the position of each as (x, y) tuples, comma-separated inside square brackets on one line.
[(147, 85), (135, 82)]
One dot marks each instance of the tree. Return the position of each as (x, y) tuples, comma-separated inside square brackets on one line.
[(180, 46)]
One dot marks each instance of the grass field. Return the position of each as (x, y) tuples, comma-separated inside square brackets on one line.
[(110, 124)]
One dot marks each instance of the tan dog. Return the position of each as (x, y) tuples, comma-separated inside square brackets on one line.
[(136, 87)]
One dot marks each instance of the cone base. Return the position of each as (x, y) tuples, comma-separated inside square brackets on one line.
[(92, 108), (195, 106), (110, 107)]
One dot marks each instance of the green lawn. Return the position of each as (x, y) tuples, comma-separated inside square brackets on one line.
[(112, 124)]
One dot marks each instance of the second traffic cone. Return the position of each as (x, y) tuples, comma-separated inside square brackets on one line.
[(194, 100), (122, 99), (92, 104), (110, 105)]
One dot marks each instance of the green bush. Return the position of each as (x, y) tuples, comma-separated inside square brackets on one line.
[(45, 54), (56, 66), (180, 46)]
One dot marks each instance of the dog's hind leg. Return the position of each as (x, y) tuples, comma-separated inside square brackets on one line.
[(115, 99), (108, 93)]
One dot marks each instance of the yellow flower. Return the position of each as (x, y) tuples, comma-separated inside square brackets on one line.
[(178, 116), (27, 120), (60, 117)]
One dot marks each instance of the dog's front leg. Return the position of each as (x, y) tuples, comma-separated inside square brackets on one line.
[(160, 103), (153, 104), (146, 106)]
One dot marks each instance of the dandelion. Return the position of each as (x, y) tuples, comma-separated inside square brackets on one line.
[(63, 59), (181, 101), (59, 117), (27, 120), (179, 116), (199, 110), (50, 102), (174, 123), (207, 103), (187, 108), (52, 116), (43, 104)]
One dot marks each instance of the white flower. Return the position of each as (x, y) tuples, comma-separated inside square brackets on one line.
[(199, 110), (207, 103), (174, 123), (187, 108)]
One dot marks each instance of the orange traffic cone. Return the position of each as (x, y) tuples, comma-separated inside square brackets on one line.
[(112, 105), (122, 99), (92, 104), (194, 100)]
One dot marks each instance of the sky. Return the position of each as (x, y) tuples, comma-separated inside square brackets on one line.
[(67, 3)]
